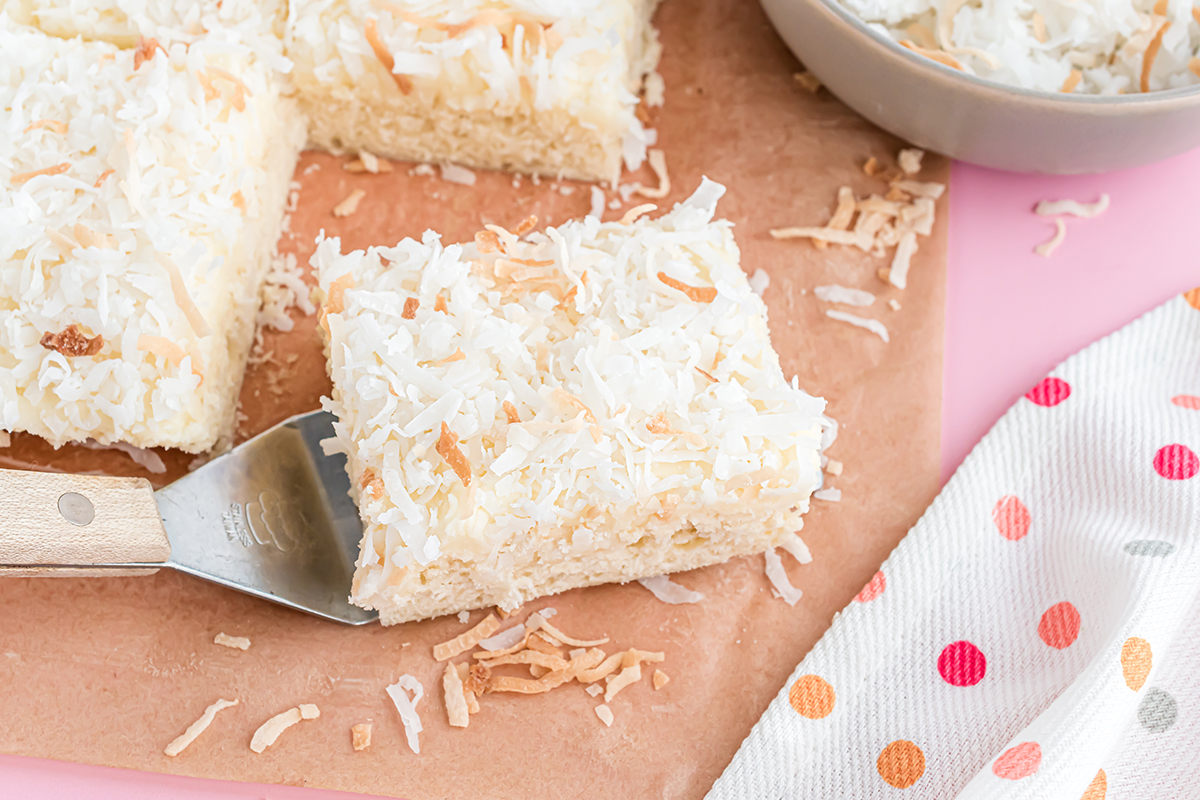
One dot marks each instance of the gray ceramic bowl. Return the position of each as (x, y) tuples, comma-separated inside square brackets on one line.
[(947, 111)]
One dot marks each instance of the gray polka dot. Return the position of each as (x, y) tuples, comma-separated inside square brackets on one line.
[(1149, 547), (1157, 711)]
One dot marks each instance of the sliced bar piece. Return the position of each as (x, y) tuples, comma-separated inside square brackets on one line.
[(595, 403), (497, 85), (142, 192)]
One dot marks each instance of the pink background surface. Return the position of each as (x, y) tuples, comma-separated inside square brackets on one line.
[(1011, 316)]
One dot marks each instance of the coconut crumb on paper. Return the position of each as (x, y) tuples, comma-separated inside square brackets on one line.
[(464, 617), (455, 698), (660, 679), (605, 714), (905, 250), (777, 575), (807, 80), (360, 736), (598, 202), (658, 163), (350, 204), (452, 173), (1074, 208), (425, 170), (910, 160), (670, 592), (873, 325), (626, 677), (368, 162), (835, 293), (234, 642), (270, 730), (406, 707), (465, 641), (181, 742), (830, 495), (833, 467), (894, 304), (795, 546), (1050, 245), (594, 689), (759, 281)]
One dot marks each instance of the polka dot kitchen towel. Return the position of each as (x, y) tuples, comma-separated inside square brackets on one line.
[(1037, 634)]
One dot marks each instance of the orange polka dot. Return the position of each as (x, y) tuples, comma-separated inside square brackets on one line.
[(1097, 789), (812, 697), (1193, 297), (1136, 660), (901, 764)]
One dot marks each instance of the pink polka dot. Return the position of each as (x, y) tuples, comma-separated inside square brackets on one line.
[(1059, 626), (1049, 392), (1187, 401), (1012, 518), (1018, 762), (872, 589), (962, 664), (1176, 462)]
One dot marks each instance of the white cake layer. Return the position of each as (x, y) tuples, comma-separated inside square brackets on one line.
[(573, 378), (160, 198), (545, 86)]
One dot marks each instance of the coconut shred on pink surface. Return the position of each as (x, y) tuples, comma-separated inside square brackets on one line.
[(1011, 316)]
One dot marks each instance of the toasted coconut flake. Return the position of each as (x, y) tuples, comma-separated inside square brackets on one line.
[(934, 55), (182, 298), (181, 742), (211, 92), (605, 714), (537, 622), (488, 242), (670, 592), (269, 731), (371, 483), (501, 611), (71, 342), (367, 162), (565, 303), (350, 204), (457, 355), (834, 467), (871, 167), (632, 214), (602, 670), (928, 189), (910, 160), (103, 177), (1194, 63), (477, 679), (566, 398), (464, 673), (1050, 245), (1152, 53), (818, 234), (411, 305), (89, 238), (658, 163), (455, 698), (52, 124), (510, 411), (829, 495), (551, 680), (525, 226), (160, 346), (699, 294), (542, 644), (447, 448), (22, 178), (336, 296), (360, 736), (883, 273), (627, 676), (594, 689), (547, 661), (835, 293), (660, 425), (465, 641), (1072, 81), (660, 679), (873, 325), (240, 90), (371, 32), (406, 707), (843, 215), (779, 579), (705, 374), (439, 304), (898, 274), (234, 642), (1053, 208), (1039, 27), (807, 80), (146, 50)]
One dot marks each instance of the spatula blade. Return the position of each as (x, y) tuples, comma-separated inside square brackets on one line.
[(272, 518)]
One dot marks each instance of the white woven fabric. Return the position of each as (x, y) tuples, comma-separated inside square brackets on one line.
[(1037, 634)]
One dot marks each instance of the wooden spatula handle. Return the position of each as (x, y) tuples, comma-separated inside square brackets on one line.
[(56, 525)]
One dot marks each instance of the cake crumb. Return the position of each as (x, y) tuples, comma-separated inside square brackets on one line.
[(234, 642), (464, 617), (360, 736)]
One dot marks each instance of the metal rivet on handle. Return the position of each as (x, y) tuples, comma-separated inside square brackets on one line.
[(76, 509)]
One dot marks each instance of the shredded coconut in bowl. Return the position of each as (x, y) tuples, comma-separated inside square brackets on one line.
[(1104, 47)]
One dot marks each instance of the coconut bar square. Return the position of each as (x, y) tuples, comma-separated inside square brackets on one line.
[(496, 85), (141, 192), (592, 403)]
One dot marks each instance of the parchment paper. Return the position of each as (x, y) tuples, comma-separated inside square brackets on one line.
[(108, 671)]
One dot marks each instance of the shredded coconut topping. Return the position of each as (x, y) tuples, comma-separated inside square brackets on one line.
[(181, 742), (873, 325), (779, 578), (1052, 208), (836, 293), (670, 592), (1050, 245)]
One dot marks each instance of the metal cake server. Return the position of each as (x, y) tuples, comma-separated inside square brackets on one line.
[(273, 518)]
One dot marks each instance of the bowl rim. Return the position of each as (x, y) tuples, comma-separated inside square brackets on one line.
[(1167, 96)]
